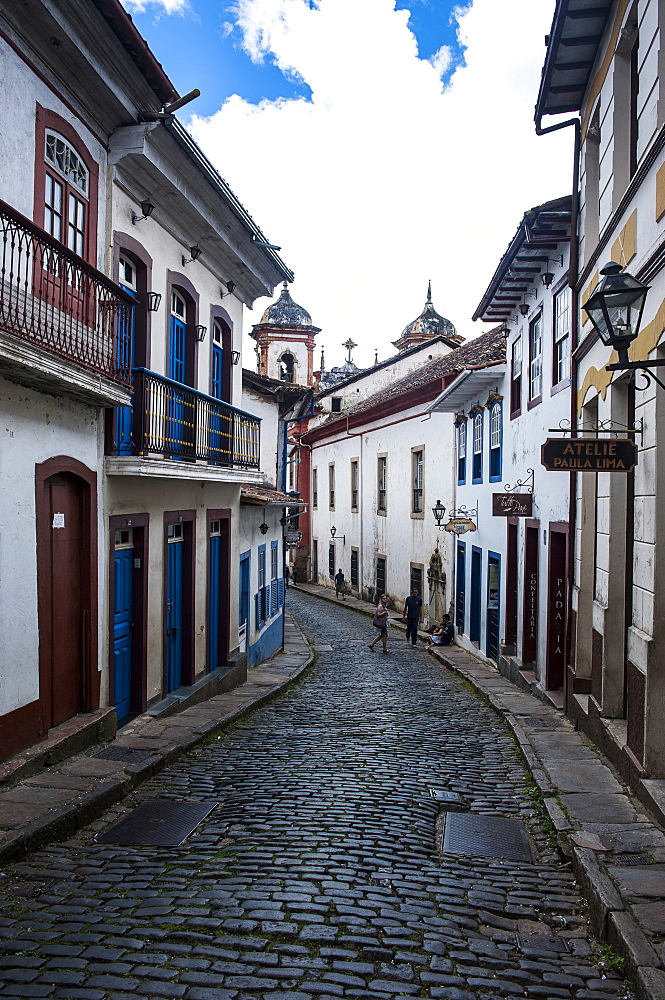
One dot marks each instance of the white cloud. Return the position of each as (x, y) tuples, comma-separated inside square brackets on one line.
[(384, 179), (164, 6), (442, 60)]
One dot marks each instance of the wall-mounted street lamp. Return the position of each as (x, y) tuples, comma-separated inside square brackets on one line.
[(147, 208), (200, 332), (524, 308), (439, 512), (333, 534), (615, 308), (263, 528), (154, 301), (195, 251), (235, 357), (230, 289), (548, 276)]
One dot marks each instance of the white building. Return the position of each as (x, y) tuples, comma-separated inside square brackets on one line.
[(607, 70), (511, 572), (379, 463)]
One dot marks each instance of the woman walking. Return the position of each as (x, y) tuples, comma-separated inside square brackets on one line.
[(380, 622)]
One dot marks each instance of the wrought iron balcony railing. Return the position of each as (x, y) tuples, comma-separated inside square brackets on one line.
[(174, 421), (53, 298)]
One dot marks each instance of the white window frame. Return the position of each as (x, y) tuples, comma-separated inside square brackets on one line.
[(536, 358), (562, 335)]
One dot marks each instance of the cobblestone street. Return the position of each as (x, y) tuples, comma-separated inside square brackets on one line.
[(317, 875)]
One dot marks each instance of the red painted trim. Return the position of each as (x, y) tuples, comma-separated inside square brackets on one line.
[(44, 119), (89, 698), (534, 402), (21, 728), (223, 515), (139, 688), (188, 518)]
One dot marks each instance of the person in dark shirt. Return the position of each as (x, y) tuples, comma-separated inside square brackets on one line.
[(412, 613), (339, 585), (444, 634)]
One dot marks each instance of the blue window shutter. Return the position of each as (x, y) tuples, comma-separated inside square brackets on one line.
[(280, 592), (257, 608), (273, 597)]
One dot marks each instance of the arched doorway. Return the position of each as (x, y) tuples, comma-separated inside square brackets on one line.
[(66, 589)]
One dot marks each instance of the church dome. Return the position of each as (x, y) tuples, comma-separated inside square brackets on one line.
[(428, 325), (286, 312)]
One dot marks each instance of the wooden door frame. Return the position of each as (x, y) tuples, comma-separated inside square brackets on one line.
[(559, 528), (222, 514), (139, 684), (90, 675), (188, 520)]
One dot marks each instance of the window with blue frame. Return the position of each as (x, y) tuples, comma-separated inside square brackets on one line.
[(261, 596), (477, 468), (461, 450), (274, 590), (496, 434)]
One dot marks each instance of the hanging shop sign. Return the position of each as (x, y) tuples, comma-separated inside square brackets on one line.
[(512, 504), (588, 455), (292, 539), (460, 525)]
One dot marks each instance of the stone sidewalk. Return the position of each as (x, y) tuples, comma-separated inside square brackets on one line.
[(615, 847), (60, 799)]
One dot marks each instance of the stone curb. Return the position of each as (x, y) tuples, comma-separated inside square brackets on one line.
[(610, 918), (203, 719)]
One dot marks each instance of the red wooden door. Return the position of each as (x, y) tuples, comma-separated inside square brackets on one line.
[(68, 613)]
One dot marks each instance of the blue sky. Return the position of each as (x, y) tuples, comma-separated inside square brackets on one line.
[(197, 50)]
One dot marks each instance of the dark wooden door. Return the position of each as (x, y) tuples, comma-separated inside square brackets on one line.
[(68, 614)]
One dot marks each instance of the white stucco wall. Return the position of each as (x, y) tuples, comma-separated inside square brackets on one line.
[(34, 428)]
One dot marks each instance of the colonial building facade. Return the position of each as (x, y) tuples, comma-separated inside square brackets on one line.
[(608, 72)]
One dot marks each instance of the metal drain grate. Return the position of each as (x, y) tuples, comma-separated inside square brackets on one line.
[(540, 722), (125, 755), (158, 823), (486, 837), (537, 944), (621, 860)]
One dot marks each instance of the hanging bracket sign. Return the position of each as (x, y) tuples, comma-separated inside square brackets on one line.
[(583, 454), (512, 504)]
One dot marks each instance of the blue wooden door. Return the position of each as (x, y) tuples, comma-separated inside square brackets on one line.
[(122, 630), (177, 371), (125, 349), (493, 604), (243, 601), (460, 588), (217, 390), (174, 609), (214, 595), (476, 572)]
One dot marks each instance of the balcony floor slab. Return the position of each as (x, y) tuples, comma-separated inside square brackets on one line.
[(166, 468)]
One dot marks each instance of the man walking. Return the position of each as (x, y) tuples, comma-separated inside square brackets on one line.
[(412, 614), (339, 585)]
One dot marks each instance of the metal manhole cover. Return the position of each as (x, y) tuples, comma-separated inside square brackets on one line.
[(124, 754), (538, 943), (540, 722), (486, 837), (158, 823)]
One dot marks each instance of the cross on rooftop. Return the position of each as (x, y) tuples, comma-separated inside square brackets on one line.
[(349, 344)]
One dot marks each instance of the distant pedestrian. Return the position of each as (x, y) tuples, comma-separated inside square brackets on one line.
[(380, 622), (287, 575), (294, 575), (339, 585), (413, 609)]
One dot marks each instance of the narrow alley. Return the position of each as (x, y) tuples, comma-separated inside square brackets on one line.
[(319, 873)]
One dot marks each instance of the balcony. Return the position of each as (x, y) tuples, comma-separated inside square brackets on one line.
[(173, 430), (59, 317)]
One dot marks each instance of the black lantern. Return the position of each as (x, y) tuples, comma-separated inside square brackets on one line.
[(263, 528), (333, 531), (615, 308), (195, 252), (439, 512)]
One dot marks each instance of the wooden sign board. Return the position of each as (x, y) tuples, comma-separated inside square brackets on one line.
[(459, 525), (588, 454), (512, 504)]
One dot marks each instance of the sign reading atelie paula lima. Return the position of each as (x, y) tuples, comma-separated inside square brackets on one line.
[(588, 454)]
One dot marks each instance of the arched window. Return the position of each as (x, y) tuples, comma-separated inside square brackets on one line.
[(287, 368), (461, 451), (66, 193), (477, 472)]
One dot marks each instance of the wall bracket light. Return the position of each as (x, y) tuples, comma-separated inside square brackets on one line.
[(195, 251), (230, 289), (154, 301), (147, 208), (334, 535), (200, 332)]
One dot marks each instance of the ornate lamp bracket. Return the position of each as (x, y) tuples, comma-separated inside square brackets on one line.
[(522, 484)]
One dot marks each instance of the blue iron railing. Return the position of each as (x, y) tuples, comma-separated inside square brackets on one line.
[(175, 421)]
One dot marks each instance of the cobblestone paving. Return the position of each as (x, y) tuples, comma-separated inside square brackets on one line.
[(317, 876)]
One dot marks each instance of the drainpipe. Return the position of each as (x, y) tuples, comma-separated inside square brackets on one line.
[(573, 272)]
